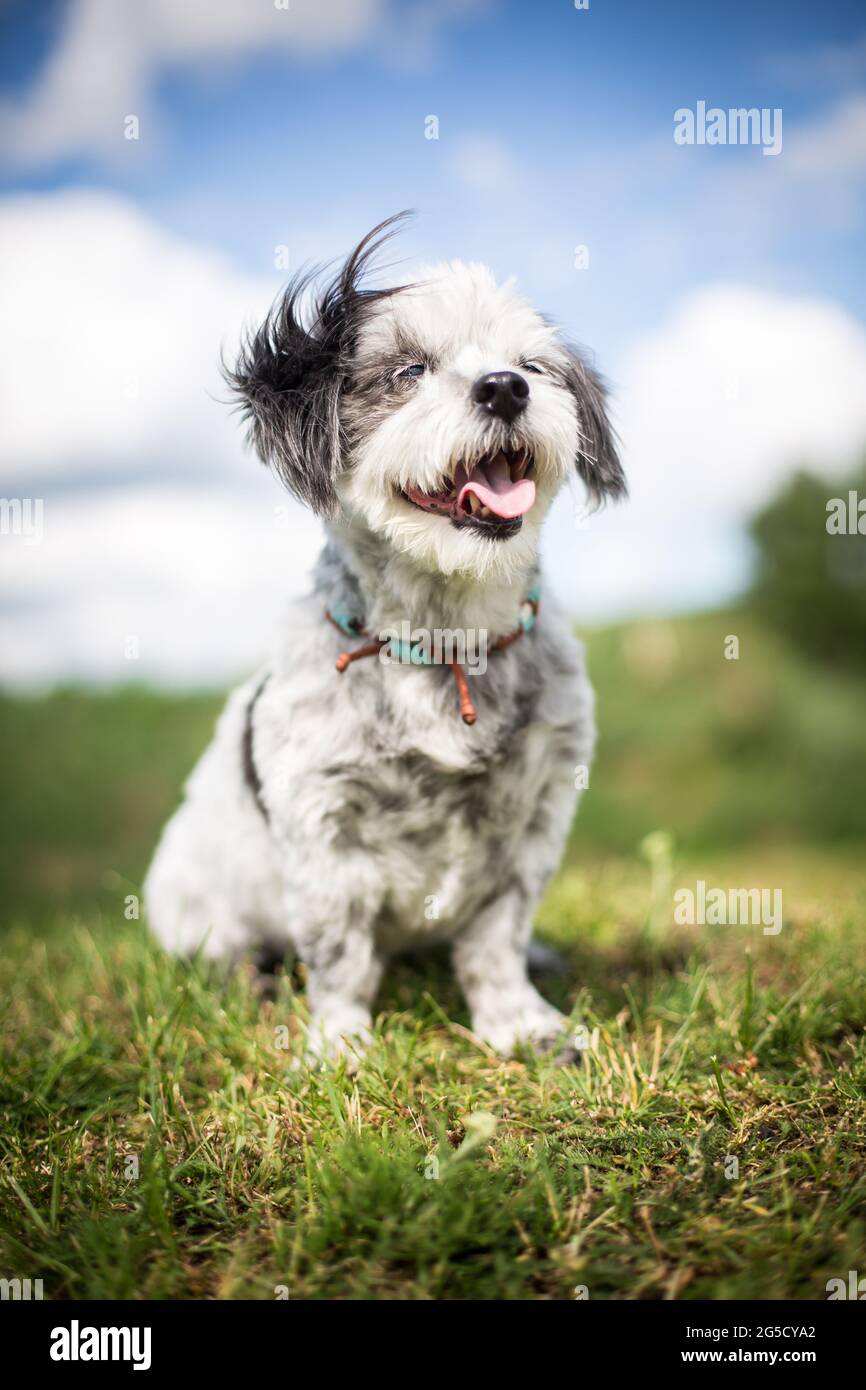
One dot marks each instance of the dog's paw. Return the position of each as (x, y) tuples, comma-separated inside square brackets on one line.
[(339, 1034), (535, 1024), (564, 1050)]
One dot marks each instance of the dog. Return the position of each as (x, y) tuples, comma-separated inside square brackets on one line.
[(349, 809)]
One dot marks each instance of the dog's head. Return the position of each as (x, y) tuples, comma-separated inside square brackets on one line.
[(445, 414)]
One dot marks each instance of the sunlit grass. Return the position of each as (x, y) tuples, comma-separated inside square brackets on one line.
[(614, 1174), (157, 1141)]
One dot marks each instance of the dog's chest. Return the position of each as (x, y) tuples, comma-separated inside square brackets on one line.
[(423, 818), (443, 838)]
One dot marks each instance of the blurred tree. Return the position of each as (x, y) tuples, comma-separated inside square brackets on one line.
[(811, 580)]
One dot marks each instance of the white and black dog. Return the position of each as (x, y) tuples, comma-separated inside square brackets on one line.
[(354, 813)]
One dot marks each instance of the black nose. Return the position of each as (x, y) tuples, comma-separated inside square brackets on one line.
[(503, 394)]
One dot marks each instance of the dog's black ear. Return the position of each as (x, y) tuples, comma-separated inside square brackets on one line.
[(597, 455), (291, 372)]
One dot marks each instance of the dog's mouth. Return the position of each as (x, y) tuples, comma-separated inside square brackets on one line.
[(490, 495)]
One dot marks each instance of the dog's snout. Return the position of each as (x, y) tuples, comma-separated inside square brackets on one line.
[(503, 394)]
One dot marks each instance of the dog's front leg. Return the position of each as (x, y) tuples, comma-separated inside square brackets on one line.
[(331, 902), (332, 911), (342, 979), (490, 959)]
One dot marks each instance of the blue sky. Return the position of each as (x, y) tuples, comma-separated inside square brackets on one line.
[(555, 130), (263, 148)]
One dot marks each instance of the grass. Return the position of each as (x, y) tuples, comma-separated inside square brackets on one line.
[(156, 1142)]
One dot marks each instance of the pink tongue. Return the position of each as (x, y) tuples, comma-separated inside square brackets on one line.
[(491, 483)]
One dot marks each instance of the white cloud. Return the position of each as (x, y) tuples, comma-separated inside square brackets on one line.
[(831, 146), (484, 162), (837, 64), (196, 579), (157, 522), (818, 179), (737, 388), (716, 409), (111, 361), (109, 55)]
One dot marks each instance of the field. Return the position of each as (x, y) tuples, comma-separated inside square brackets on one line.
[(155, 1141)]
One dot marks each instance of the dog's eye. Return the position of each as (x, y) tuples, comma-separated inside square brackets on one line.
[(416, 369), (532, 367)]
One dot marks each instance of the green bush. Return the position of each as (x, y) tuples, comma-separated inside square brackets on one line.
[(811, 581)]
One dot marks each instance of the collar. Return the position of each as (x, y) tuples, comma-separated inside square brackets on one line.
[(413, 653)]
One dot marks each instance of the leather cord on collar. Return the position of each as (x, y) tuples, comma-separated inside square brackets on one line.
[(353, 627)]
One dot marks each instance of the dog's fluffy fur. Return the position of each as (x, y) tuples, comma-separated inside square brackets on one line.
[(353, 816)]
